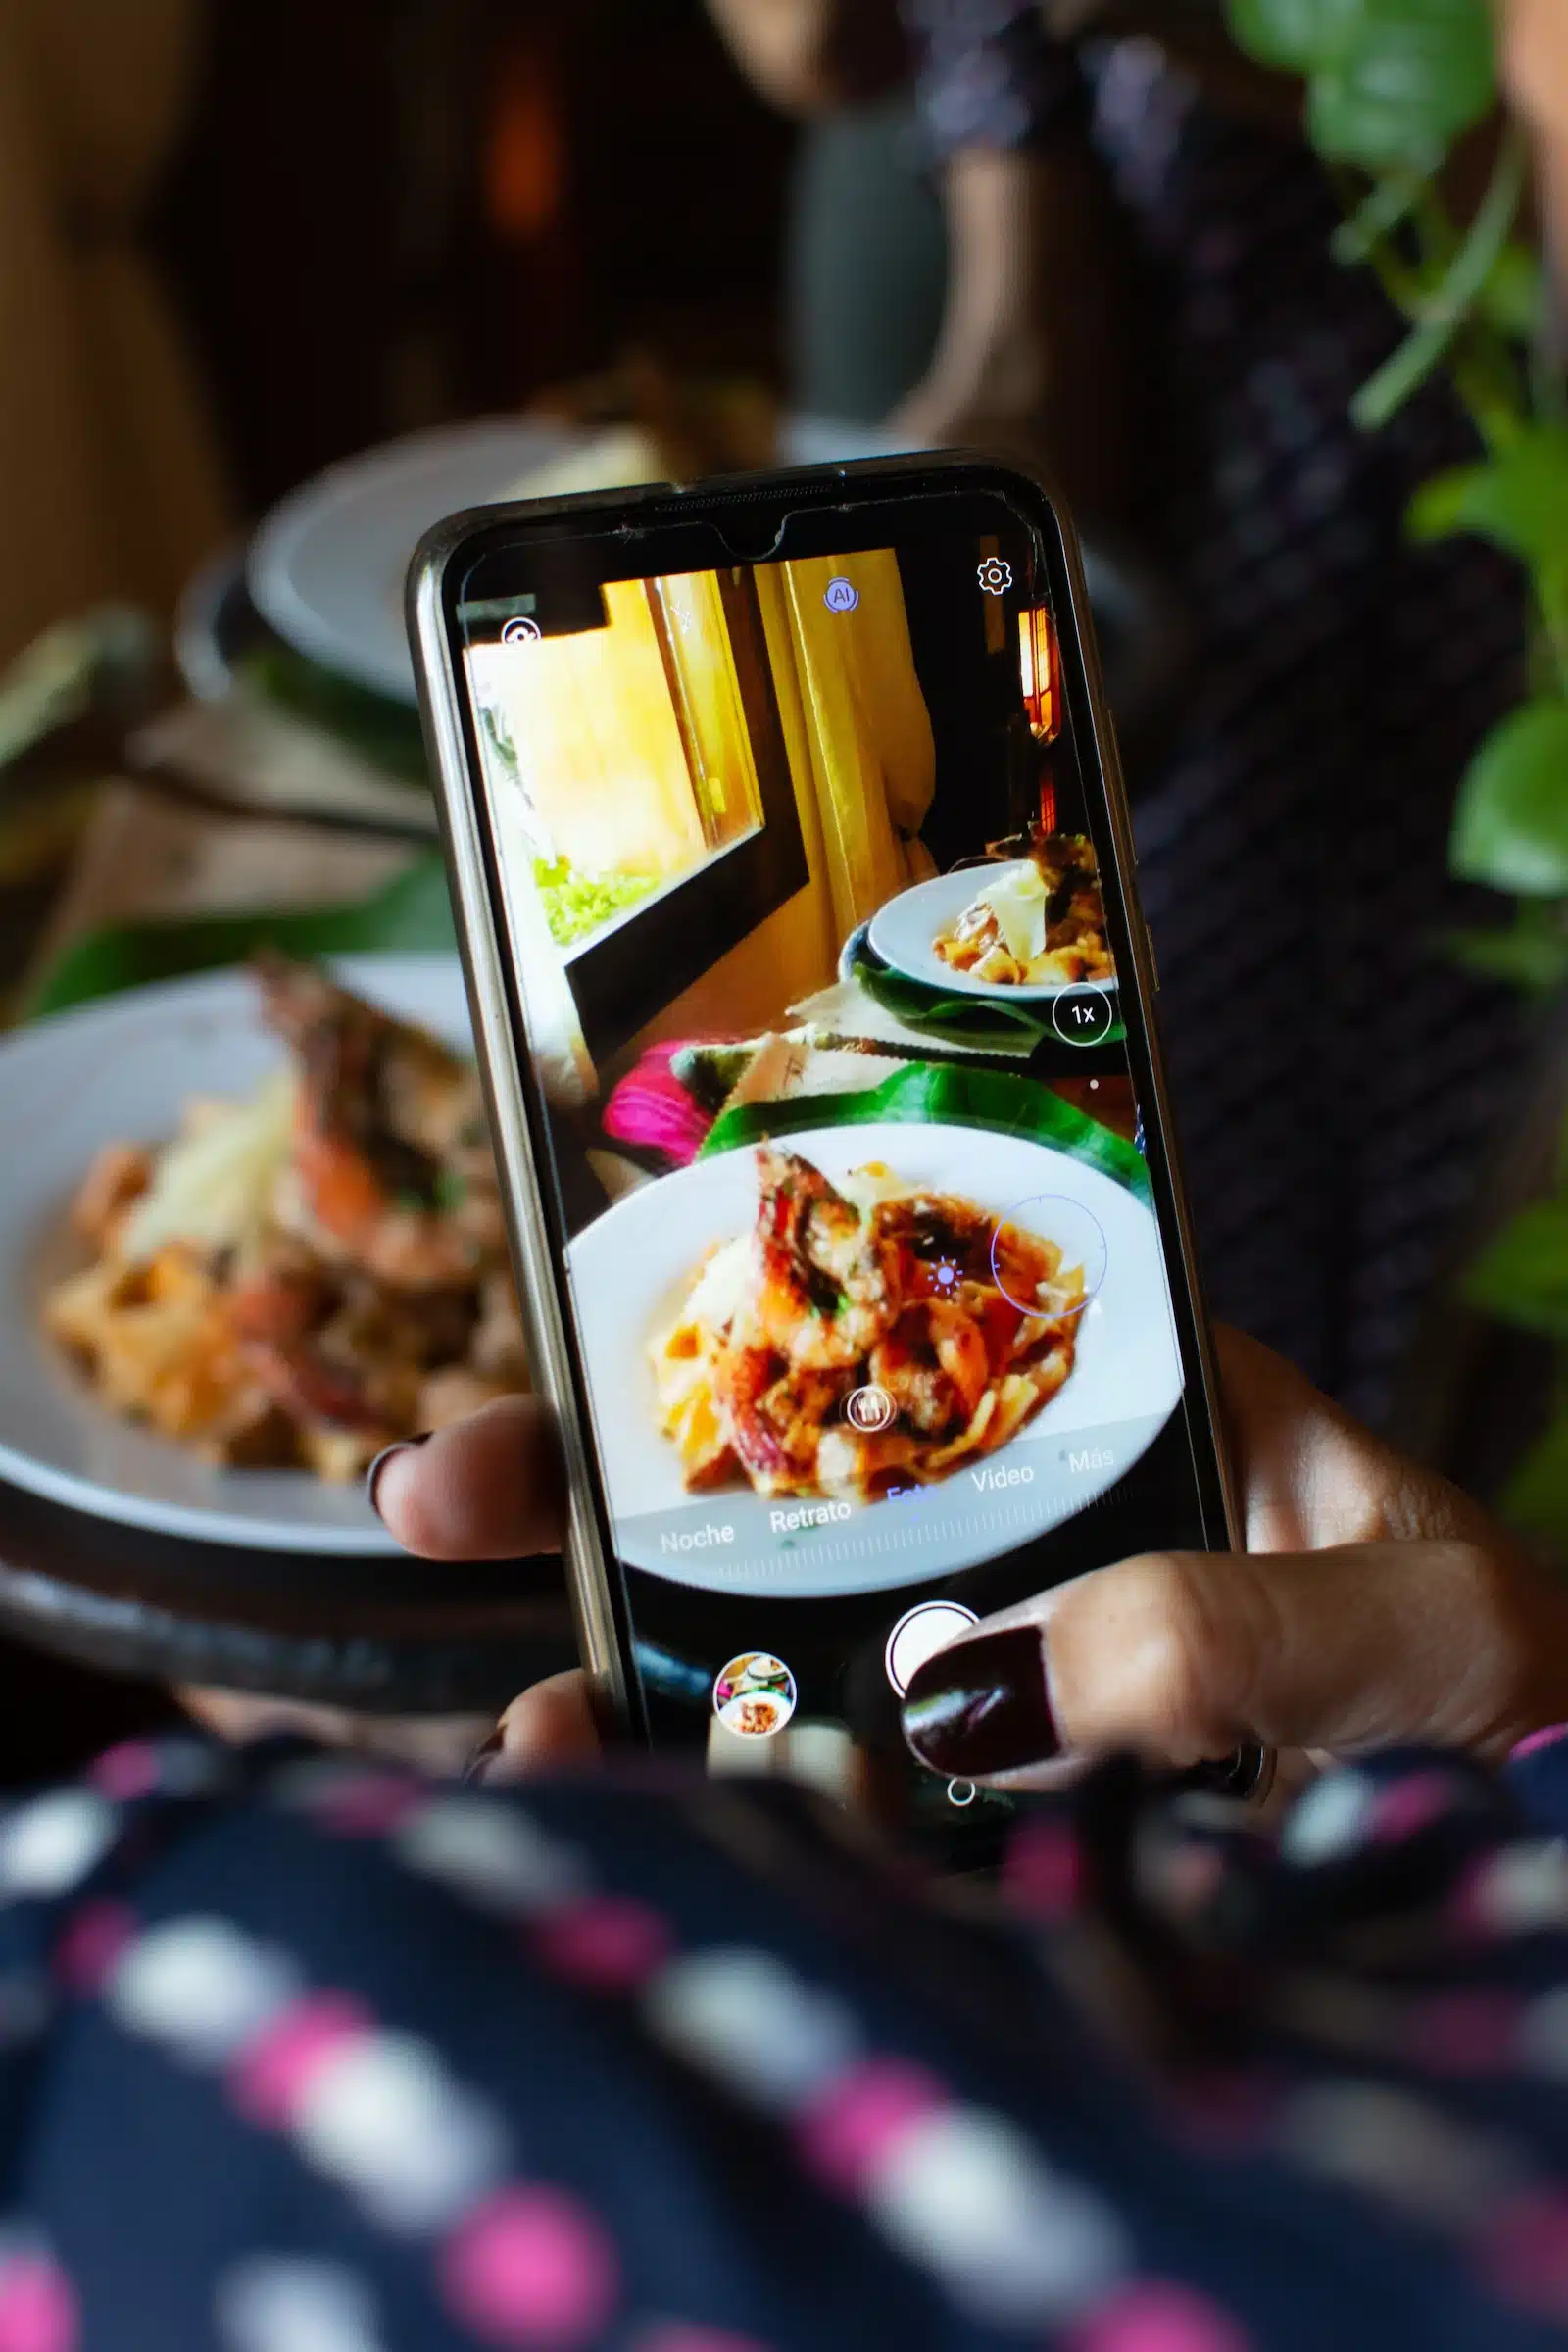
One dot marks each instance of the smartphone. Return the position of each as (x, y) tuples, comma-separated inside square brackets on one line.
[(796, 899)]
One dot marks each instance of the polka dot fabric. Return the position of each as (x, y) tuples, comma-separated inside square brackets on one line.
[(305, 2058)]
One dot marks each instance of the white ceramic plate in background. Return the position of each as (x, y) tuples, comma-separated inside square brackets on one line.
[(122, 1069), (903, 932), (327, 567)]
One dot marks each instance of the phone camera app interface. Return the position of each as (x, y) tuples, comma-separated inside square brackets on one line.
[(823, 1001)]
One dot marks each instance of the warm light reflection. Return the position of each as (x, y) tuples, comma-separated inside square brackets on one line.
[(1038, 669), (623, 751), (524, 174)]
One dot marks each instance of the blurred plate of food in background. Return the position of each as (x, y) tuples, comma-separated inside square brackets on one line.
[(254, 1238), (1020, 929), (311, 623), (326, 568)]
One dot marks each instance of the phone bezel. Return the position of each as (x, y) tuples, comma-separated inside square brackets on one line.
[(444, 558)]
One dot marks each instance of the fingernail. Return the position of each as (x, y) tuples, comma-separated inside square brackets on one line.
[(981, 1707), (1242, 1775), (373, 1476), (488, 1748)]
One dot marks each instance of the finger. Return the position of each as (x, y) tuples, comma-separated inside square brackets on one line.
[(486, 1489), (1183, 1656), (548, 1727), (434, 1744), (1310, 1477)]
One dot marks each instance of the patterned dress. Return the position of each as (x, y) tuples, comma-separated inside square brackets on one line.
[(300, 2054), (1335, 1075)]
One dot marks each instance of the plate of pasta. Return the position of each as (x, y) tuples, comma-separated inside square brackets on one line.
[(254, 1237), (1020, 927), (788, 1334)]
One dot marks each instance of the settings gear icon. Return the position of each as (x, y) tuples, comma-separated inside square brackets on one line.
[(994, 576)]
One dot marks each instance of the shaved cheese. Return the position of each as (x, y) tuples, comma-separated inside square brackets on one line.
[(869, 1187), (1018, 900), (614, 460), (722, 1286), (214, 1187)]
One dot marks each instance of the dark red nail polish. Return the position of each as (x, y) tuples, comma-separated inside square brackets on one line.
[(488, 1748), (981, 1706), (373, 1476)]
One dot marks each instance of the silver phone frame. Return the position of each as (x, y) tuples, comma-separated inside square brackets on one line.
[(593, 1578)]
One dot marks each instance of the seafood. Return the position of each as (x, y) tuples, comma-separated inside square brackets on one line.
[(309, 1275), (934, 1365), (391, 1170), (825, 1275), (870, 1283)]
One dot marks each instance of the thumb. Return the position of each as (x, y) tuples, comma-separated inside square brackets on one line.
[(1182, 1656), (548, 1727)]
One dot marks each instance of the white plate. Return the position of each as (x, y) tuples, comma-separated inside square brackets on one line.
[(631, 1270), (124, 1068), (902, 931), (326, 568)]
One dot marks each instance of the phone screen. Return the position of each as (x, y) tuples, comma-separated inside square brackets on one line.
[(858, 1194)]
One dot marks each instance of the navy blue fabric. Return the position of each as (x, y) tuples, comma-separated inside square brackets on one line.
[(701, 2075)]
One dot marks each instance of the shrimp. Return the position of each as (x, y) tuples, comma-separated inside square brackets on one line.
[(275, 1314), (384, 1118), (276, 1304), (934, 1365), (306, 1385), (826, 1292), (774, 1416)]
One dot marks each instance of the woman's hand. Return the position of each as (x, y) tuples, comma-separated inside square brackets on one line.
[(1376, 1605), (485, 1488)]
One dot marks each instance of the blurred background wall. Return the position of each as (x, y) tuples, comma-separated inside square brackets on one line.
[(239, 241), (460, 202)]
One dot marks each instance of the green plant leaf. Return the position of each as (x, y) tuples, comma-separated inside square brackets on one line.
[(380, 730), (1400, 80), (1385, 207), (1518, 500), (1299, 36), (1510, 828), (1448, 308), (1537, 1494), (1513, 299), (54, 681), (1530, 959), (411, 913), (1521, 1274)]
